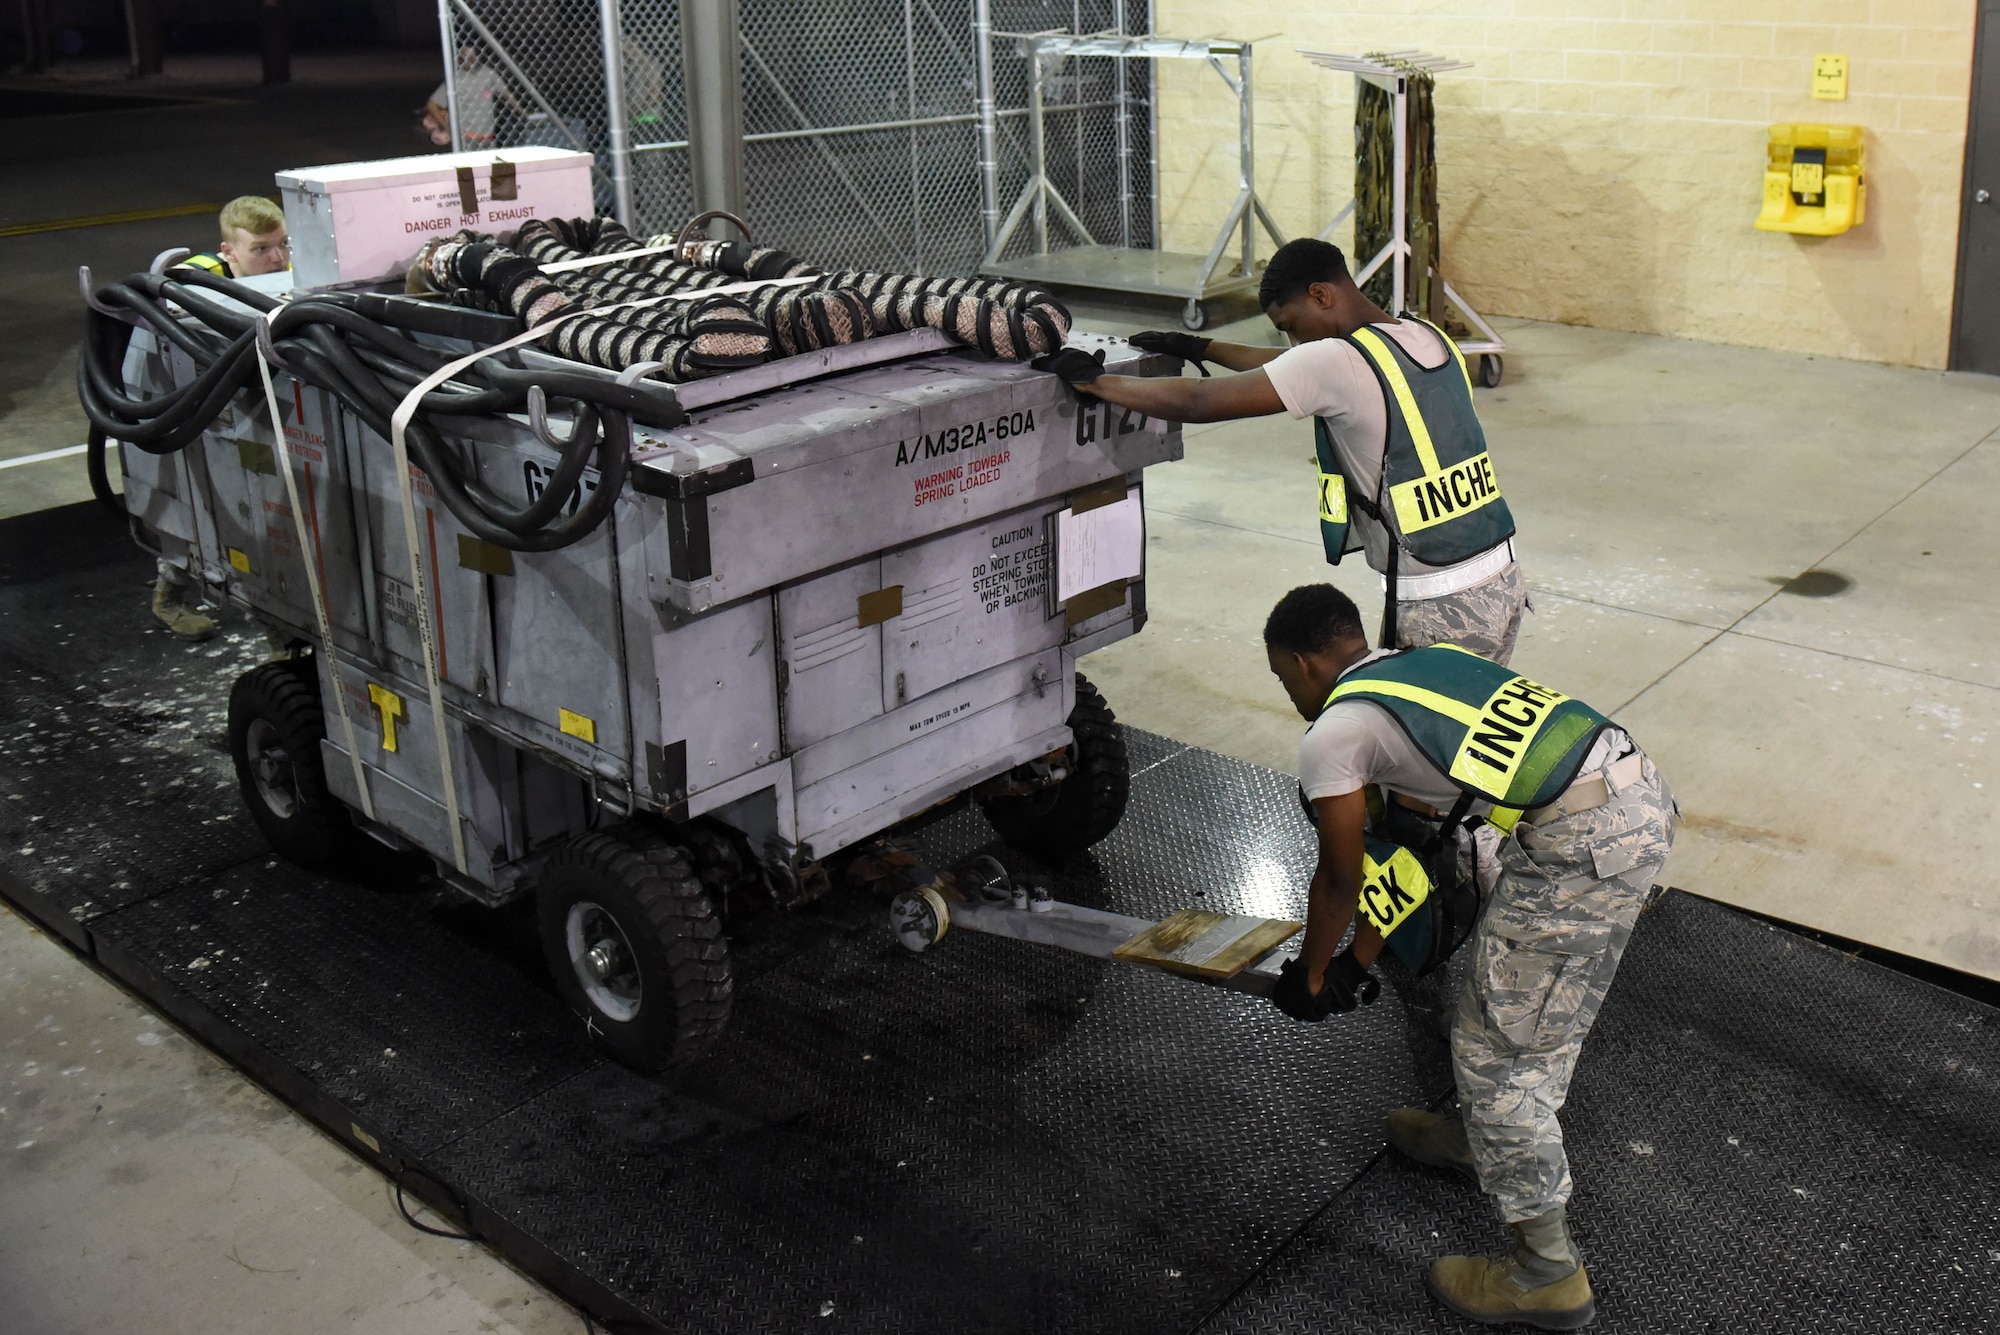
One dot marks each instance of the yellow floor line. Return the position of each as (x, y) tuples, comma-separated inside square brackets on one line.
[(109, 219)]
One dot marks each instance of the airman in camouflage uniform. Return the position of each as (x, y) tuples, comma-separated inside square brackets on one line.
[(1589, 823)]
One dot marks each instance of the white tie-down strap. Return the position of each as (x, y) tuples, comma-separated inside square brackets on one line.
[(313, 574), (399, 424)]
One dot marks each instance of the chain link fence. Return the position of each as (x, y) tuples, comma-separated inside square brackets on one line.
[(861, 122)]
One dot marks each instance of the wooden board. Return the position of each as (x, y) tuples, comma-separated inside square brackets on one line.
[(1205, 944)]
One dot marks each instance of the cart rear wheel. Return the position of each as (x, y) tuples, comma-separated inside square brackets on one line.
[(636, 947), (1491, 368), (1194, 315), (275, 728), (1086, 806)]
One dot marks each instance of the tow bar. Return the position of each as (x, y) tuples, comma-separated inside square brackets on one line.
[(1230, 950)]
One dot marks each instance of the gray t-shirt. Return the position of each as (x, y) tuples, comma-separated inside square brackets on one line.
[(1328, 378), (1354, 743)]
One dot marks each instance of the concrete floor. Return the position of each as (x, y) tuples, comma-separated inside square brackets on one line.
[(144, 1184), (1830, 753)]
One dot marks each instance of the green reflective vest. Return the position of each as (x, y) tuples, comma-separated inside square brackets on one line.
[(1495, 734), (1443, 504)]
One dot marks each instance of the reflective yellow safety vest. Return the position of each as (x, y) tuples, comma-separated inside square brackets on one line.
[(1498, 736), (1394, 885), (214, 264), (1438, 496)]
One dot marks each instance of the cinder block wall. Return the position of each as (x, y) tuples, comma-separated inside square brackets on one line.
[(1603, 160)]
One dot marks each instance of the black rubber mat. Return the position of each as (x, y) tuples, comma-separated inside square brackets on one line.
[(1765, 1135), (990, 1136)]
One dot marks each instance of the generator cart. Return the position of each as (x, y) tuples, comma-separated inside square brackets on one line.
[(731, 626)]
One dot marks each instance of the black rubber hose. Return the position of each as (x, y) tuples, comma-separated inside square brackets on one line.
[(428, 453), (371, 368), (188, 415), (100, 476), (145, 422)]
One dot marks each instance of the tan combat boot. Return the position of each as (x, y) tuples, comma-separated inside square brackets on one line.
[(1542, 1284), (1432, 1139), (171, 607)]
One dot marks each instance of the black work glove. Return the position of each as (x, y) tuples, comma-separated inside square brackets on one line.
[(1074, 365), (1294, 995), (1349, 983), (1187, 347)]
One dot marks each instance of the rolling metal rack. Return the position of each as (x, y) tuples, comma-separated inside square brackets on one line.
[(1390, 71), (1149, 272)]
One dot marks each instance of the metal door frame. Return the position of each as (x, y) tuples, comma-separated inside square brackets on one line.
[(1981, 36)]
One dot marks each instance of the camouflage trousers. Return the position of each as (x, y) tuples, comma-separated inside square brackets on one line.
[(1485, 618), (1428, 1005), (1546, 948)]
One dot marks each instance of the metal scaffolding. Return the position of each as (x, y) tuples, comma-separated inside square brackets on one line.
[(876, 133), (1126, 267)]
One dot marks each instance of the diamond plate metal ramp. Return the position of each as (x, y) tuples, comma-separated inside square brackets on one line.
[(1019, 1138), (991, 1136), (1765, 1135)]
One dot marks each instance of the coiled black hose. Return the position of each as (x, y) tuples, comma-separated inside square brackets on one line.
[(352, 346)]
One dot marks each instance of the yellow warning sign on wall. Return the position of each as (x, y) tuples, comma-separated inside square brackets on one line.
[(1830, 78)]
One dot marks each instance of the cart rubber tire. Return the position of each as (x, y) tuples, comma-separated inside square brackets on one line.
[(1491, 368), (644, 885), (279, 704), (1085, 807), (1194, 315)]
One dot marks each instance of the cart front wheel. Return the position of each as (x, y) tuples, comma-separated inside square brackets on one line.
[(1194, 315), (1491, 368), (1087, 805), (275, 728), (636, 947)]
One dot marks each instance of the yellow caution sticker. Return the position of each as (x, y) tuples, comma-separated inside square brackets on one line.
[(1498, 740), (1449, 493), (1391, 891), (239, 559), (577, 725), (389, 706), (1332, 498)]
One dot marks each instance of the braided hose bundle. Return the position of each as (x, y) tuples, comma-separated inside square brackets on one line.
[(690, 339), (1008, 320)]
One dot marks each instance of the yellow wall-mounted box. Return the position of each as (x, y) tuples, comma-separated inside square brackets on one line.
[(1812, 180)]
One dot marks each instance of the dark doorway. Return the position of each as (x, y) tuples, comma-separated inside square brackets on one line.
[(1975, 329)]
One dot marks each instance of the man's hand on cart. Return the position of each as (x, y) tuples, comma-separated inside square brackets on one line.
[(1074, 366), (1173, 343)]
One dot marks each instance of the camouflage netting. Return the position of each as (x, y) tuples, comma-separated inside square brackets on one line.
[(1374, 187), (723, 332)]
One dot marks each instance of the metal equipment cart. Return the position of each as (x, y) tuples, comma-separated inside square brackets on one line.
[(834, 590), (1394, 79), (1125, 268)]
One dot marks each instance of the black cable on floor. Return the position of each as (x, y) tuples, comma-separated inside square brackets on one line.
[(1283, 1247), (403, 1208)]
